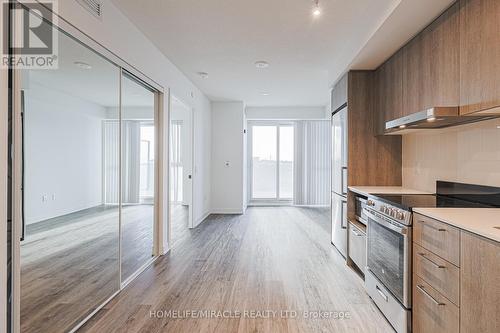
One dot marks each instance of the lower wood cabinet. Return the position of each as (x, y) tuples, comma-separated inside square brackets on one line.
[(479, 284), (432, 312), (462, 297)]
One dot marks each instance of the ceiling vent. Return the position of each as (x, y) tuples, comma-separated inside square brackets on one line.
[(93, 6)]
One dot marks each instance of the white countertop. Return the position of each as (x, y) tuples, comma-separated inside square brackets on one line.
[(366, 190), (480, 221)]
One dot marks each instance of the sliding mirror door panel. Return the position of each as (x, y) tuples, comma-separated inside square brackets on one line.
[(70, 253), (138, 156)]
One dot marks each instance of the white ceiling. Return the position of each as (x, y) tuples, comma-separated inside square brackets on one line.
[(100, 84), (306, 54)]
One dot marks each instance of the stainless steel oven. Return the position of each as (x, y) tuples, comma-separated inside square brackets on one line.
[(388, 274), (389, 254)]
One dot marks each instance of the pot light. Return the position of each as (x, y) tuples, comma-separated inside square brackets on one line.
[(261, 64), (431, 119), (82, 65), (316, 10), (203, 75), (265, 93), (402, 126)]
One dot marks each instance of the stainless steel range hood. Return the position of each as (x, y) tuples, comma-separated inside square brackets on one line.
[(433, 118)]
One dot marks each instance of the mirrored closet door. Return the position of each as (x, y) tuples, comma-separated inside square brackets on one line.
[(88, 188), (138, 151), (69, 254)]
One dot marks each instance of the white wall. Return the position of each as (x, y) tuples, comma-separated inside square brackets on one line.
[(120, 36), (296, 113), (63, 149), (227, 146), (466, 154)]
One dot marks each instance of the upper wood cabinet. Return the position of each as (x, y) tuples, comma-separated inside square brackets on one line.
[(479, 284), (389, 90), (431, 70), (479, 55), (339, 93)]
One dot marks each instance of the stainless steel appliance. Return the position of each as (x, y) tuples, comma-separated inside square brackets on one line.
[(360, 203), (339, 179), (389, 232), (436, 117), (388, 274)]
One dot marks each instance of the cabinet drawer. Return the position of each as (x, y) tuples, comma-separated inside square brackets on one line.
[(431, 311), (357, 247), (437, 272), (437, 237)]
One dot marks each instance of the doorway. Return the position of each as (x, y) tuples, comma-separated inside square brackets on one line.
[(181, 170), (271, 152)]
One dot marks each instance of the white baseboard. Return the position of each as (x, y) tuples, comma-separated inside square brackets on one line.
[(201, 219), (227, 211)]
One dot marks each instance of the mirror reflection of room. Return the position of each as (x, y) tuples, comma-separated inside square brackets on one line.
[(70, 251), (75, 205), (138, 151)]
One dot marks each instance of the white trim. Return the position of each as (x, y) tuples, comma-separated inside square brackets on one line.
[(202, 218), (222, 211)]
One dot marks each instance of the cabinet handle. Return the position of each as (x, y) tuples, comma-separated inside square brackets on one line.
[(423, 291), (431, 227), (431, 261), (356, 233), (384, 296)]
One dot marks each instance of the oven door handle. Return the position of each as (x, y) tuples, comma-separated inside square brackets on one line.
[(401, 230)]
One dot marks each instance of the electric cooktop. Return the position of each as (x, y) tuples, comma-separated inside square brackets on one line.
[(448, 195)]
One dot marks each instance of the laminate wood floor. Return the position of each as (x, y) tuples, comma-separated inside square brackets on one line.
[(69, 264), (270, 259)]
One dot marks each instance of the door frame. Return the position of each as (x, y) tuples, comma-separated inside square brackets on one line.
[(267, 201), (16, 192), (190, 112)]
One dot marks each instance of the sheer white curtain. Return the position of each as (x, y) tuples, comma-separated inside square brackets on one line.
[(111, 155), (131, 141), (131, 161), (312, 162), (176, 165)]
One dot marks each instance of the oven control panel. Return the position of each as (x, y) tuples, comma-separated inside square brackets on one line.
[(397, 214)]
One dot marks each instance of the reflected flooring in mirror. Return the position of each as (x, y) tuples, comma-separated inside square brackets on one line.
[(69, 264)]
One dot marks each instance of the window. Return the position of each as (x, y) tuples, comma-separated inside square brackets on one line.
[(272, 158)]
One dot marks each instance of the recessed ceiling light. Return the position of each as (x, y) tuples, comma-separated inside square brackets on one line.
[(431, 119), (82, 65), (402, 126), (203, 75), (316, 10), (265, 93), (261, 64)]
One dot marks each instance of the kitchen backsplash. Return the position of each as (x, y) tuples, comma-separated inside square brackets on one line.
[(467, 154)]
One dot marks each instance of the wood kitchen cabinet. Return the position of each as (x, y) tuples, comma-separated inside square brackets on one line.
[(389, 82), (456, 280), (430, 65), (479, 284), (479, 55)]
